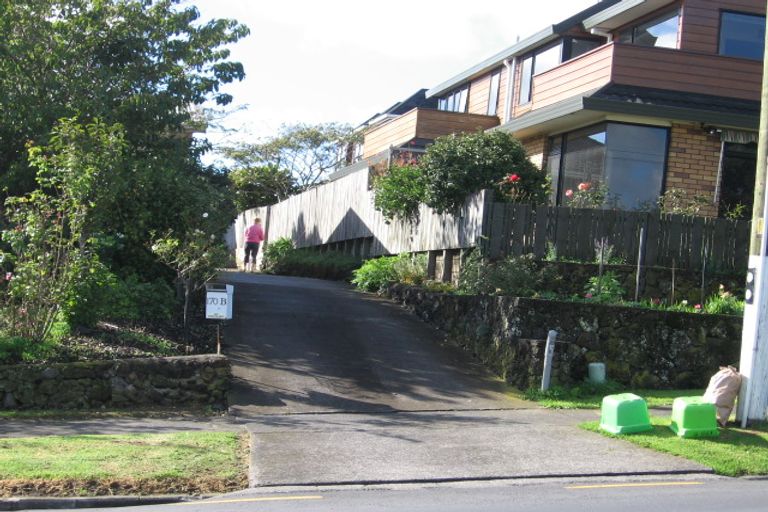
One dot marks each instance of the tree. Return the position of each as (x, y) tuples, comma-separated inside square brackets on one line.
[(260, 185), (143, 64), (307, 152), (458, 165)]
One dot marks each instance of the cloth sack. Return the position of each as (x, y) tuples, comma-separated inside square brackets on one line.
[(722, 391)]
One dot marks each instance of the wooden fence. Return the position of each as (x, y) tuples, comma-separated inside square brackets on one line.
[(682, 241)]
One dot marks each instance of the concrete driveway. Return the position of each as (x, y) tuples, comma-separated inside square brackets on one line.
[(306, 345), (339, 387)]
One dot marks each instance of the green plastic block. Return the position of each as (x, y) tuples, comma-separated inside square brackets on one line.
[(693, 417), (625, 413)]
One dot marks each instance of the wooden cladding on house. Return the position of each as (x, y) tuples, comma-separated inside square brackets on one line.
[(657, 68), (423, 124), (683, 71), (701, 21)]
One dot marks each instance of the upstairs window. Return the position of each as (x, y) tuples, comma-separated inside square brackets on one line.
[(455, 101), (660, 32), (742, 35), (493, 93), (547, 58)]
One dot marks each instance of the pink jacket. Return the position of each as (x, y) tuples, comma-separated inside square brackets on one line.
[(254, 234)]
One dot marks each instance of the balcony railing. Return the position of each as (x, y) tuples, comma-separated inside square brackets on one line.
[(421, 123), (658, 68)]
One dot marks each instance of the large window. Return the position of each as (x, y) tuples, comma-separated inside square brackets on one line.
[(627, 161), (660, 32), (455, 101), (742, 35), (493, 93), (547, 58)]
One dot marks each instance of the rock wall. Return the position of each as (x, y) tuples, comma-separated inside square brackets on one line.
[(190, 380), (641, 347)]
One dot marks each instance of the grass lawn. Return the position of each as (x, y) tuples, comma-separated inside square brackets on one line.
[(588, 397), (736, 452), (188, 462), (143, 412)]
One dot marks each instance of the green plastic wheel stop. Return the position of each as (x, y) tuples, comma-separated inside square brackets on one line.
[(625, 413), (693, 417)]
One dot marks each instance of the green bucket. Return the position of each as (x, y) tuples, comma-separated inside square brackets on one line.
[(693, 417), (625, 413)]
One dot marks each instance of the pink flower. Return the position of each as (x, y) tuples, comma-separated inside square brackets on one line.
[(588, 295), (697, 307), (8, 276), (584, 186), (512, 178), (569, 193)]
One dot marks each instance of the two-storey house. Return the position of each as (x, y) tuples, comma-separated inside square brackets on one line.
[(640, 96)]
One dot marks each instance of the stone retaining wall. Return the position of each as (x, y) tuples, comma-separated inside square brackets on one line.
[(641, 347), (171, 381)]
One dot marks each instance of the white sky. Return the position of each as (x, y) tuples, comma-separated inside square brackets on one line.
[(344, 60)]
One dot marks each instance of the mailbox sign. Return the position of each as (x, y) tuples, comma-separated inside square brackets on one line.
[(216, 305)]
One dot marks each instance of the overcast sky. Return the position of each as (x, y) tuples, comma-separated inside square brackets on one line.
[(345, 60)]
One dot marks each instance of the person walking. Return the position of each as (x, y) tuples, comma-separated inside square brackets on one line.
[(254, 235)]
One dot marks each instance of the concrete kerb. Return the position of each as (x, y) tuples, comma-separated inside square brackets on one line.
[(36, 503)]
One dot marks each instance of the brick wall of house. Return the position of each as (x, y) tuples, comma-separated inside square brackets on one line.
[(536, 149), (693, 162)]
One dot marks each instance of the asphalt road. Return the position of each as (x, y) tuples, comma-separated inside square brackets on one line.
[(696, 495)]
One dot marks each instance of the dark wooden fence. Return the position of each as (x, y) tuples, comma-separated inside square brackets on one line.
[(682, 241)]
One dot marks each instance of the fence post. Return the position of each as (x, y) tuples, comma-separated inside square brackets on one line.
[(640, 260), (431, 265), (549, 352), (447, 266)]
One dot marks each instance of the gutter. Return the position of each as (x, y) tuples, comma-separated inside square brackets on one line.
[(508, 97)]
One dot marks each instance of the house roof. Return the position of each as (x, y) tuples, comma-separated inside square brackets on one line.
[(417, 99), (622, 13), (640, 101), (542, 37)]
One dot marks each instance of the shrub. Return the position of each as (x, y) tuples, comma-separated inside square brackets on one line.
[(15, 349), (399, 192), (604, 289), (410, 269), (516, 276), (275, 252), (724, 303), (321, 265), (458, 165), (376, 274)]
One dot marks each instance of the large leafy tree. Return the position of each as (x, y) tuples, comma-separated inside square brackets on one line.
[(308, 153), (142, 64)]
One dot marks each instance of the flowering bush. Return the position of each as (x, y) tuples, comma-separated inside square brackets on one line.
[(587, 195), (605, 288)]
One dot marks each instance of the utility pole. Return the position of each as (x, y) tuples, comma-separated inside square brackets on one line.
[(753, 399)]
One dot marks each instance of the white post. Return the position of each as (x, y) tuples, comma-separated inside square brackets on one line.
[(753, 399), (549, 352)]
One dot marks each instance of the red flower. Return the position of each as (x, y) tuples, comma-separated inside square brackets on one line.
[(697, 307), (569, 193), (512, 178), (584, 186)]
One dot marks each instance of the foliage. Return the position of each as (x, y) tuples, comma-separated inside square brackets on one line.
[(376, 274), (411, 269), (399, 192), (15, 349), (321, 265), (605, 251), (439, 287), (308, 153), (605, 288), (260, 185), (516, 276), (458, 165), (589, 195), (735, 212), (194, 257), (51, 247), (678, 201), (275, 252), (589, 396), (724, 303)]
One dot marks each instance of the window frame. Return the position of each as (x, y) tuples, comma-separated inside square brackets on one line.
[(631, 27), (720, 34), (453, 99), (562, 142), (493, 93)]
